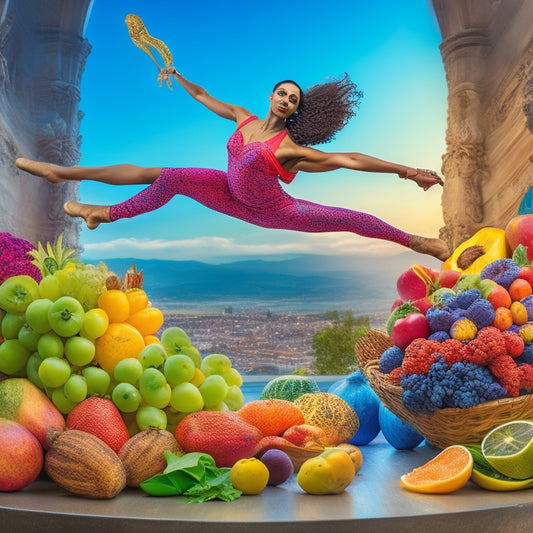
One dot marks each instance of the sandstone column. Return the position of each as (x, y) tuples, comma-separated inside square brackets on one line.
[(486, 51)]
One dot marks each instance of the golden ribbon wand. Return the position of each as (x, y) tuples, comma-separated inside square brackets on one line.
[(141, 38)]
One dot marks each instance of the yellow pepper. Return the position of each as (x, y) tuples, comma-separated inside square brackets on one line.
[(485, 246), (328, 473)]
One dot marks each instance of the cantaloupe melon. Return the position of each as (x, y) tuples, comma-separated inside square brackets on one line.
[(331, 413)]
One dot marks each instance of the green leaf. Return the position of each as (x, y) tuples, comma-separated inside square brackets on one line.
[(159, 485), (520, 256), (194, 475)]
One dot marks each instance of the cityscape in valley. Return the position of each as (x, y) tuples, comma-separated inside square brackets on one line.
[(258, 342)]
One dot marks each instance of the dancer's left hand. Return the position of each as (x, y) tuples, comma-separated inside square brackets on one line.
[(165, 73), (426, 178)]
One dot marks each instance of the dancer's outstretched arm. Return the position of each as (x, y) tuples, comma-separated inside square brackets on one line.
[(311, 160), (223, 109)]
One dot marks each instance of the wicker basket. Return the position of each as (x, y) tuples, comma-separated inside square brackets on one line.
[(446, 426)]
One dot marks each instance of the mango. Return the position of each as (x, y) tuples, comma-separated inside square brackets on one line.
[(23, 402), (22, 456), (328, 473)]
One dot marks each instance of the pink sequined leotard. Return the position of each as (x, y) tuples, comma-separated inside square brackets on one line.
[(251, 191)]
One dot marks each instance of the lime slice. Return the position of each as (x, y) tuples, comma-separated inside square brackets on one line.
[(509, 448)]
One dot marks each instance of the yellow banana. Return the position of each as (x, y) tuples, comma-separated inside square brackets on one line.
[(141, 38)]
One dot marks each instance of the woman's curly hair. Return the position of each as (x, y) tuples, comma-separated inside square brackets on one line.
[(323, 111)]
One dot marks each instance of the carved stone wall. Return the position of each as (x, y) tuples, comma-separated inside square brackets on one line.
[(487, 52), (42, 58)]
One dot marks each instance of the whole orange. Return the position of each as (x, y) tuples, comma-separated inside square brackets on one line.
[(120, 341)]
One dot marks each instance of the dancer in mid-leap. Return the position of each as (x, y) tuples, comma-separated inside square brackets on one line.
[(261, 152)]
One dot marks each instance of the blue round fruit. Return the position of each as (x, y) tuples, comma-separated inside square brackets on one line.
[(359, 395), (398, 433)]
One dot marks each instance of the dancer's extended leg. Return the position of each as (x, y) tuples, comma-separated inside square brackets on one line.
[(113, 174)]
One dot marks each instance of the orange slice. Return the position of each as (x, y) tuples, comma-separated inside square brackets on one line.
[(447, 472)]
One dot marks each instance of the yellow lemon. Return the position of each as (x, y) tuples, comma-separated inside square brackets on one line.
[(250, 476)]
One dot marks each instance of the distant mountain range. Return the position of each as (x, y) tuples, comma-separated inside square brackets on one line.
[(306, 283)]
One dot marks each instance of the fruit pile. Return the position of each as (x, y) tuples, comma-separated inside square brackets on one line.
[(462, 339), (96, 390), (81, 331)]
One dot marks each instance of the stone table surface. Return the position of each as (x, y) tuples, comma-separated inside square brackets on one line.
[(373, 502)]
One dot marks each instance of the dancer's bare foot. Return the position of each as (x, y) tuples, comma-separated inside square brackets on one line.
[(48, 171), (425, 245), (94, 215)]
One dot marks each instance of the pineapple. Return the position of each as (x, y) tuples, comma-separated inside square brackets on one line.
[(54, 258)]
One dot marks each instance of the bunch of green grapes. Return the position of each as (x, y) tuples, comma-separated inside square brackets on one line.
[(85, 282), (160, 387), (52, 344)]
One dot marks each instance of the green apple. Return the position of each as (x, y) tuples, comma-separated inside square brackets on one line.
[(17, 292), (215, 363), (66, 316), (28, 338), (153, 355), (50, 345), (192, 352), (32, 370), (11, 325), (50, 288), (173, 340), (37, 315), (13, 356)]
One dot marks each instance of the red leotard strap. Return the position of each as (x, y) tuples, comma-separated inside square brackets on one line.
[(275, 141), (246, 120)]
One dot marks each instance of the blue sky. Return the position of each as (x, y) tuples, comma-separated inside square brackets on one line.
[(237, 50)]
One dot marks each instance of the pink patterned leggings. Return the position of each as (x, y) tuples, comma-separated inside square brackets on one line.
[(211, 188)]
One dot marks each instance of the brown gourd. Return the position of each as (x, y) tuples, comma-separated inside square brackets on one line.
[(83, 464), (143, 454)]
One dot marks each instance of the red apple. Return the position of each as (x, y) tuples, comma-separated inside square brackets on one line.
[(416, 282), (423, 304), (448, 278), (519, 230), (396, 304), (526, 272), (21, 460), (306, 435), (406, 330)]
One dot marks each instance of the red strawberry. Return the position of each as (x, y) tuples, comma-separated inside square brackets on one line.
[(100, 417)]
